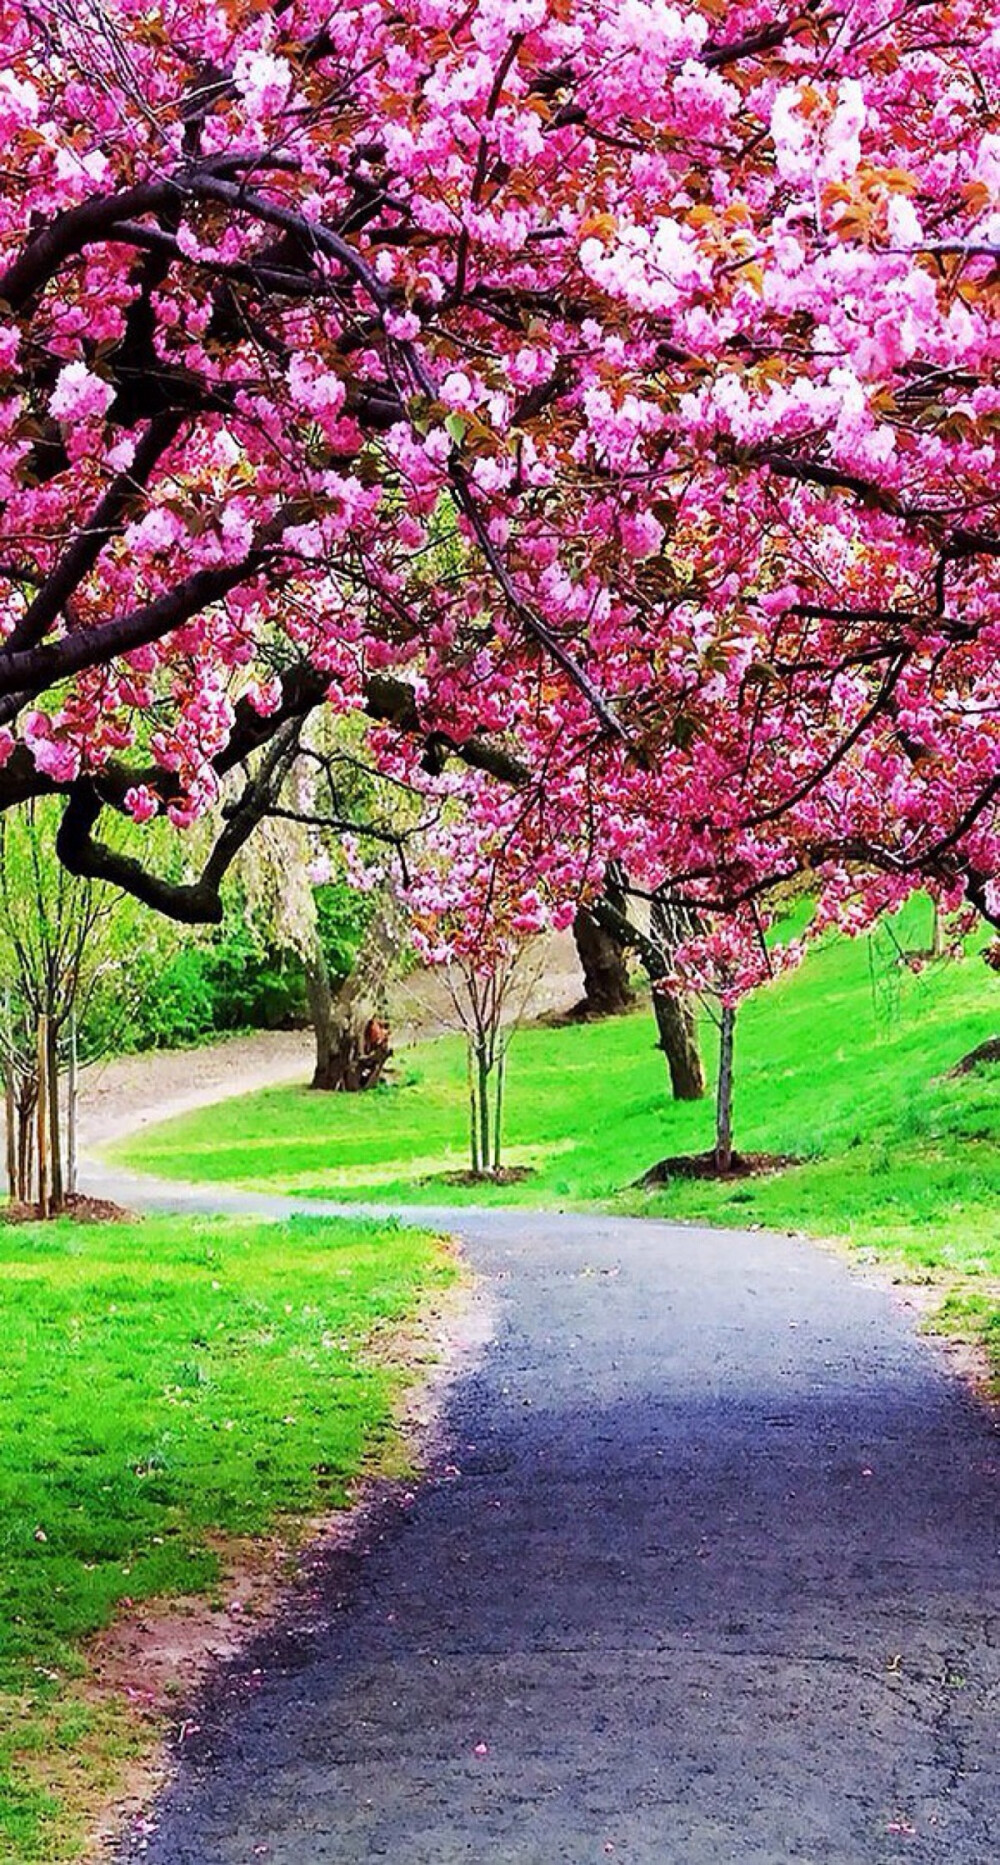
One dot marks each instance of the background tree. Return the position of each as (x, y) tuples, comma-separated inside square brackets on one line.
[(654, 927)]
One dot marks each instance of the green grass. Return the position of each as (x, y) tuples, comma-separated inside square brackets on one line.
[(162, 1385), (838, 1064)]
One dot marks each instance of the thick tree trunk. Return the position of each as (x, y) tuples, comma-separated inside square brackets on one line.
[(607, 992), (678, 1032), (674, 1010), (352, 1038)]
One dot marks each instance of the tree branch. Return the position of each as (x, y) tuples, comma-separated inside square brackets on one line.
[(192, 903), (25, 675), (90, 540), (41, 258), (393, 701)]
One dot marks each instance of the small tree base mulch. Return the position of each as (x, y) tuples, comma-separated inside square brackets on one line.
[(706, 1166), (585, 1012), (984, 1052), (77, 1205), (503, 1175)]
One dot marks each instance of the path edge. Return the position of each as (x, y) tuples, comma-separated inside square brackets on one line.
[(432, 1350)]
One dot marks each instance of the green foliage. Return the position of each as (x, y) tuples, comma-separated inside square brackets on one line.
[(233, 979), (169, 1003), (254, 985), (69, 945), (343, 916), (160, 1382)]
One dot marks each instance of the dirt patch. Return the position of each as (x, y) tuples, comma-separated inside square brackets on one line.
[(76, 1205), (706, 1166), (964, 1351), (152, 1661), (504, 1175), (983, 1053)]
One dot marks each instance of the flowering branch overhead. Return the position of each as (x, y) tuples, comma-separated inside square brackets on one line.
[(601, 400)]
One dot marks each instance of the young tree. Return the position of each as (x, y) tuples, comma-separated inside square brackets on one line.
[(723, 963), (66, 950), (477, 904)]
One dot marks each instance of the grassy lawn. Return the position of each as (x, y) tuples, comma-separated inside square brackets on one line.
[(839, 1064), (164, 1386)]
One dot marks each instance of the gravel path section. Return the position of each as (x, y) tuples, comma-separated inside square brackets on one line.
[(707, 1576)]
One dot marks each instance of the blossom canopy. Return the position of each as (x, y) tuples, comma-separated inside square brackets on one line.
[(602, 390)]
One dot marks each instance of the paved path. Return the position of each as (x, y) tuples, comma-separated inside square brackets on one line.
[(711, 1579)]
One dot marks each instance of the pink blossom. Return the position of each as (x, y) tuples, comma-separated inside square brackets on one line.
[(140, 802), (53, 754), (79, 395)]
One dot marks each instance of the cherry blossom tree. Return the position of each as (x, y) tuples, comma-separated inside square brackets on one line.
[(599, 392)]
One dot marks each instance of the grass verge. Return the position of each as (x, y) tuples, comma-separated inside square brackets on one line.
[(166, 1386)]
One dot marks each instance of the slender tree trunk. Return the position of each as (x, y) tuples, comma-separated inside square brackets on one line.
[(473, 1109), (937, 933), (55, 1131), (42, 1112), (10, 1128), (606, 989), (724, 1093), (72, 1109), (25, 1139), (10, 1100), (483, 1067), (498, 1111)]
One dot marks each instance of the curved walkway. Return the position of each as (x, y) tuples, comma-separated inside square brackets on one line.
[(708, 1579), (122, 1093)]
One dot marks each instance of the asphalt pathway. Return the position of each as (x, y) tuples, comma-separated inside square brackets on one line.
[(708, 1578)]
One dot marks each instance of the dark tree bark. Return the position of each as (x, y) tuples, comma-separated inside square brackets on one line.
[(606, 989), (678, 1033), (673, 1010), (55, 1126), (353, 1041)]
